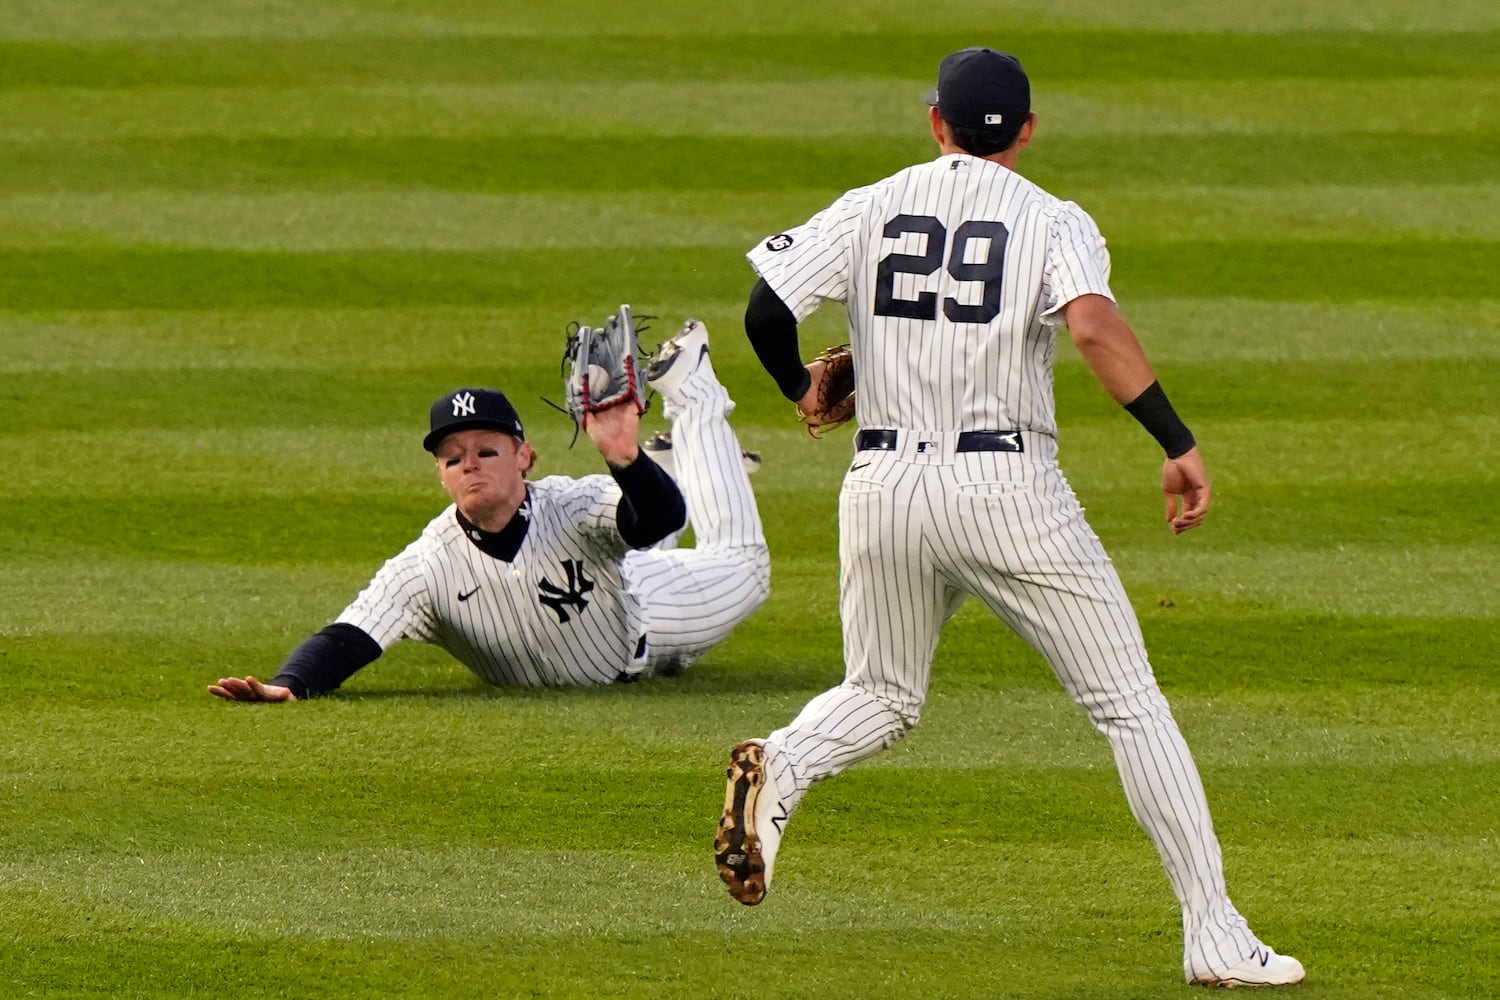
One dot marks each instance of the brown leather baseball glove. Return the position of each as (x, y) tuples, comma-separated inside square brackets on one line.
[(835, 392)]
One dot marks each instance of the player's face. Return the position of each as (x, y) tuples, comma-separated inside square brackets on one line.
[(484, 472)]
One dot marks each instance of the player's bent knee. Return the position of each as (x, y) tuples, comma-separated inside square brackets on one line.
[(756, 560), (761, 571), (906, 710)]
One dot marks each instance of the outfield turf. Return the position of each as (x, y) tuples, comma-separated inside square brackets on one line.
[(244, 243)]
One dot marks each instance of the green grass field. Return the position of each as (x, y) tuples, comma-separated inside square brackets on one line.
[(244, 243)]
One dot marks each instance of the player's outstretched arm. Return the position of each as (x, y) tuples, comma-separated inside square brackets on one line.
[(249, 689), (320, 664)]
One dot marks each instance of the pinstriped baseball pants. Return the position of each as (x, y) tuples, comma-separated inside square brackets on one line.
[(691, 599), (921, 530)]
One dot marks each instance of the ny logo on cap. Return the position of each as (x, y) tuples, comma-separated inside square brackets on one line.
[(463, 404)]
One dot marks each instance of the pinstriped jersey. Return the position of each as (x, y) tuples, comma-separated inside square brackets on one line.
[(556, 615), (953, 273)]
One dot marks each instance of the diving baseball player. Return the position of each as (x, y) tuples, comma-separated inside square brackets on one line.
[(955, 274), (551, 582)]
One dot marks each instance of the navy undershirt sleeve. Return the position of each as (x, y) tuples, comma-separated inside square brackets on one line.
[(326, 659), (652, 506), (772, 330)]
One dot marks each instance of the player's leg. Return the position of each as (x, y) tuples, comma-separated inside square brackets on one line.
[(892, 607), (659, 447), (1053, 584), (693, 598), (708, 462)]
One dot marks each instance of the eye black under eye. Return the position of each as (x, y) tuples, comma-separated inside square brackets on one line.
[(487, 453)]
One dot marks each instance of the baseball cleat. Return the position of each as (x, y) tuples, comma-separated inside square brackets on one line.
[(1263, 967), (750, 829), (659, 447), (679, 358)]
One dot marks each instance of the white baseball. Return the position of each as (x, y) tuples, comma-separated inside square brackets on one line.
[(598, 381)]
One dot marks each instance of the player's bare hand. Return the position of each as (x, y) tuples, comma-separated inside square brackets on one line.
[(249, 689), (809, 403), (616, 432), (1184, 481)]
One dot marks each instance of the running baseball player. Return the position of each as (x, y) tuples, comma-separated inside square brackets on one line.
[(955, 274), (551, 582)]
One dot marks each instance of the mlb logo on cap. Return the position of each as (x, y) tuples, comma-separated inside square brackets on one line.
[(981, 88)]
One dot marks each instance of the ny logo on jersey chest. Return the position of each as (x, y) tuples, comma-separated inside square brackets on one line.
[(557, 598)]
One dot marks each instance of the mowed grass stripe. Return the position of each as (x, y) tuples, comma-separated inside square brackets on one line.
[(422, 219), (509, 164), (1403, 391), (1231, 647), (1406, 577), (1377, 666), (332, 339), (1233, 329), (810, 111), (167, 279), (63, 279), (1360, 710), (1017, 805), (1115, 55), (1193, 330), (408, 219), (622, 960)]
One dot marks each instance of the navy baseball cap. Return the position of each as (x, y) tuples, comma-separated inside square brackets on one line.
[(982, 89), (465, 409)]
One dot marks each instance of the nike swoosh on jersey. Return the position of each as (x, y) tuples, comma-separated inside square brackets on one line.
[(465, 597)]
